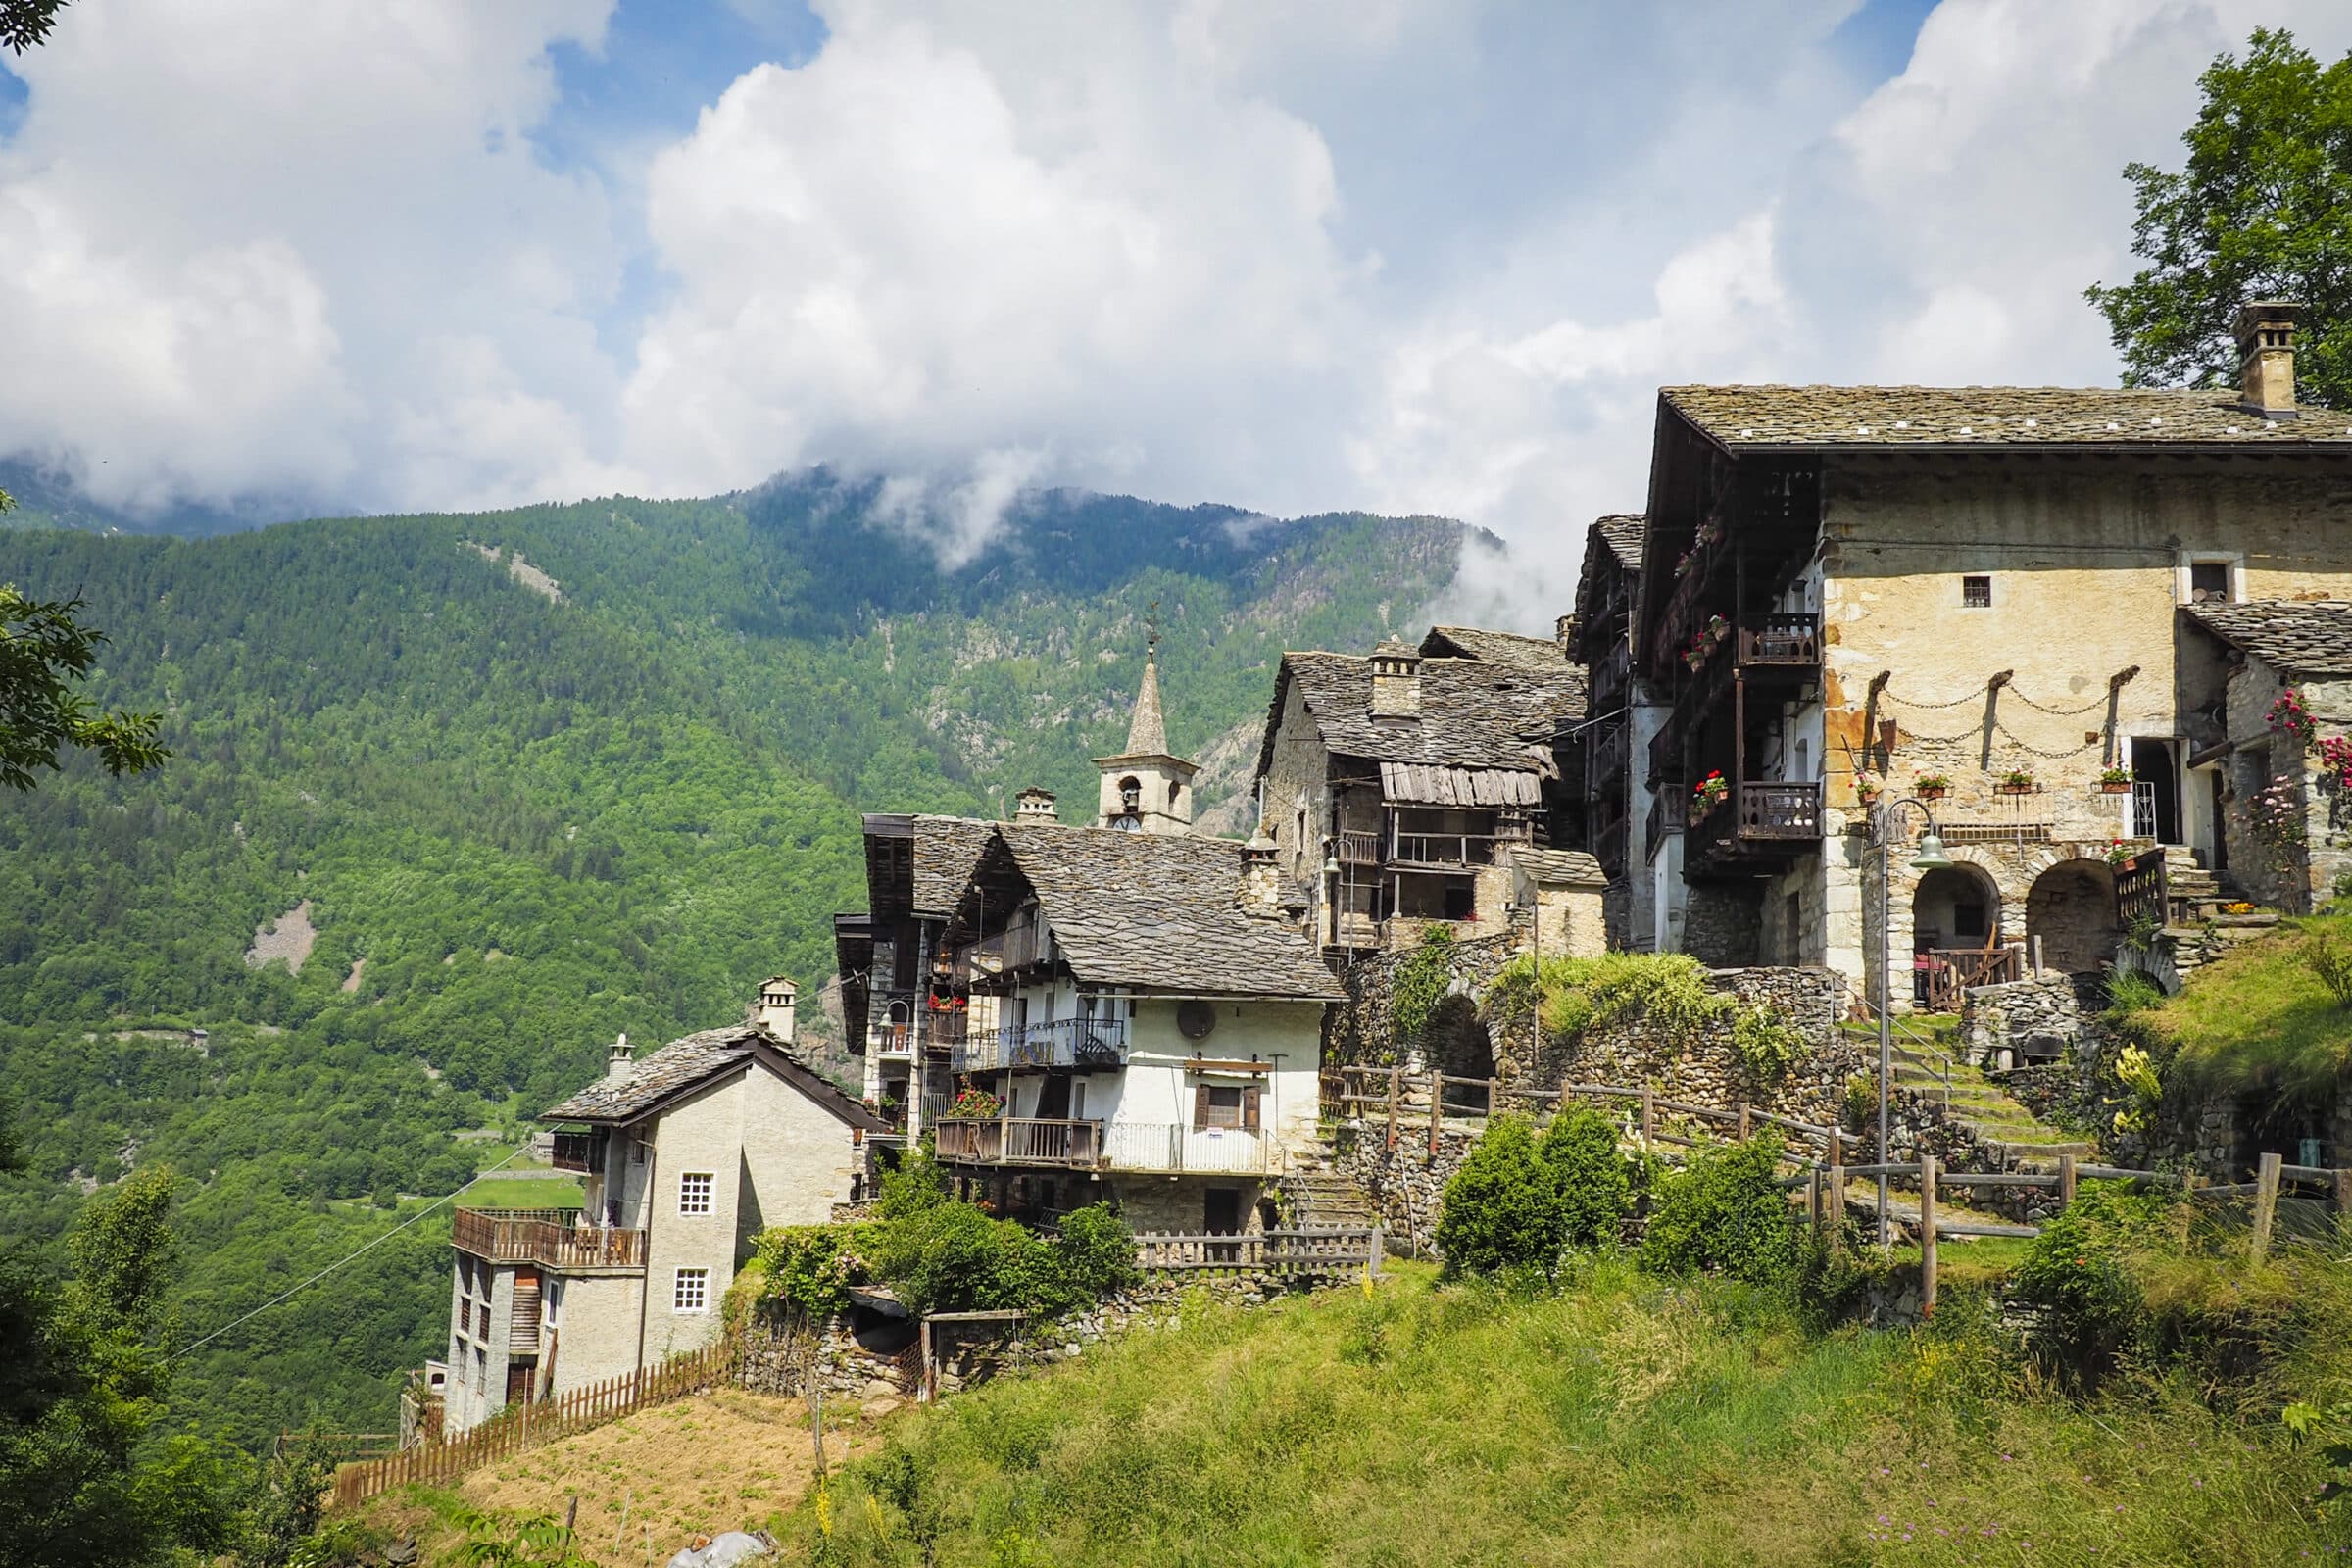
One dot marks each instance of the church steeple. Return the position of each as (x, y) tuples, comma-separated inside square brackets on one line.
[(1146, 789)]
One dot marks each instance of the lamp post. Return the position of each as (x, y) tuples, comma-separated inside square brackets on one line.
[(1886, 820)]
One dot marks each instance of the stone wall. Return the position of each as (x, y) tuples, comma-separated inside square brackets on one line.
[(1363, 1030), (2024, 1021), (1723, 924)]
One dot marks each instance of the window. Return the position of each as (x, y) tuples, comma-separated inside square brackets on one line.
[(1221, 1106), (637, 1148), (1976, 593), (694, 1192), (692, 1294), (2209, 582)]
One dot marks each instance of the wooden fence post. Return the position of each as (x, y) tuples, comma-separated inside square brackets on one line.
[(1648, 1117), (1813, 1201), (1835, 1204), (1927, 1233), (1437, 1107), (2266, 1204), (1493, 1098), (1744, 1121), (2343, 1193), (1395, 1088), (2065, 1181)]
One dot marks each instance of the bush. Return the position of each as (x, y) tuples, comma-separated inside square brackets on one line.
[(917, 1185), (2080, 1272), (1768, 1045), (1503, 1208), (808, 1269), (2130, 990), (1592, 1178), (954, 1259), (1667, 990), (1726, 1213), (1096, 1254), (2332, 961), (1422, 980)]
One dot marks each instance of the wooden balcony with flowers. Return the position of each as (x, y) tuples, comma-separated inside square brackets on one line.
[(1748, 827)]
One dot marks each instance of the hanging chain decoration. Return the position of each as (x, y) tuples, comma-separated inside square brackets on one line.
[(2059, 712)]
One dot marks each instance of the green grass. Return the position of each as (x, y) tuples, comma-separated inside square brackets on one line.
[(1621, 1422), (505, 1192), (2260, 1019)]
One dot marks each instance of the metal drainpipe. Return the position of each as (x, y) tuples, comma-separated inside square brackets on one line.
[(645, 1291)]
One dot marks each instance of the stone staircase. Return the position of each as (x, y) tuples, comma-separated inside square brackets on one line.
[(2197, 927), (1324, 1200), (2009, 1135)]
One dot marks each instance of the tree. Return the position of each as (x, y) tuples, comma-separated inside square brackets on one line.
[(2262, 209), (84, 1475), (43, 648), (1502, 1208), (25, 22)]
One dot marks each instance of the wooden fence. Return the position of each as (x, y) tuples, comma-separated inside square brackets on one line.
[(522, 1426), (1289, 1253)]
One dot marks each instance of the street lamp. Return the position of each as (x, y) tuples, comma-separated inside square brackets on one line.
[(1885, 821)]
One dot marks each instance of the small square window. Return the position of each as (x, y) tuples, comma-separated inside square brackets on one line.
[(1224, 1106), (1976, 593), (2209, 582), (692, 1292), (693, 1192)]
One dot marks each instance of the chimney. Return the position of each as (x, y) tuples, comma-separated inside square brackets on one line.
[(620, 1065), (1034, 805), (2266, 357), (1395, 680), (1563, 632), (1262, 878), (777, 997)]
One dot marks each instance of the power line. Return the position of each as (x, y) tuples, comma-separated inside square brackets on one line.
[(296, 1290)]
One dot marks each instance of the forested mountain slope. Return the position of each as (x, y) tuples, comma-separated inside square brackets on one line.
[(523, 781)]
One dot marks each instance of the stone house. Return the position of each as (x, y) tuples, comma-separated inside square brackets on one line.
[(1398, 785), (1621, 716), (1966, 593), (1157, 1021), (685, 1157), (2278, 821)]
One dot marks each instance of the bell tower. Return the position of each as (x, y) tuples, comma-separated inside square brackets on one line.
[(1145, 789)]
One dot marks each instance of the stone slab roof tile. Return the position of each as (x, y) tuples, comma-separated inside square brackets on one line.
[(1562, 867), (1493, 646), (678, 1065), (946, 849), (1160, 913), (1778, 416), (2293, 636), (1475, 712)]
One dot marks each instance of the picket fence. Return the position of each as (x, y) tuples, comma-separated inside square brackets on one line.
[(519, 1426)]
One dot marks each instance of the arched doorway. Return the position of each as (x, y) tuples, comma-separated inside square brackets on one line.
[(1954, 909), (2070, 912)]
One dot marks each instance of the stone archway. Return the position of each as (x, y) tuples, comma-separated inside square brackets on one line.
[(2070, 912), (1954, 908)]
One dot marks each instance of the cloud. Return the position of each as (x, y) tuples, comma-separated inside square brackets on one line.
[(1410, 255)]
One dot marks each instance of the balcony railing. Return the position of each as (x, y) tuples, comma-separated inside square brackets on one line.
[(1445, 849), (1020, 1141), (1359, 847), (1782, 641), (1612, 678), (580, 1151), (554, 1237), (1944, 975), (1084, 1044), (1180, 1149), (1759, 823)]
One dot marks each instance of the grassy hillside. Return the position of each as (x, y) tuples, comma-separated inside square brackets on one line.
[(509, 783), (1623, 1421)]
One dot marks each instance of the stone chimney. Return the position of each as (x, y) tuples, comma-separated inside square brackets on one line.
[(2266, 357), (1563, 632), (1262, 878), (778, 995), (1034, 805), (620, 1062), (1395, 680)]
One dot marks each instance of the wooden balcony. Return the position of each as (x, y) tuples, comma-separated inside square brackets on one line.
[(553, 1237), (1084, 1044), (1790, 643), (1944, 975), (1020, 1141), (1451, 850), (1358, 848), (1761, 826), (583, 1152)]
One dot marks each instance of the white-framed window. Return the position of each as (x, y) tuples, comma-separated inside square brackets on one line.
[(2210, 579), (694, 1192), (692, 1290)]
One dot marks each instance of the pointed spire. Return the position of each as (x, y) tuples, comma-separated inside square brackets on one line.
[(1147, 733)]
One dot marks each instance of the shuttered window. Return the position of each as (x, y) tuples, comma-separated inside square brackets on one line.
[(1224, 1105)]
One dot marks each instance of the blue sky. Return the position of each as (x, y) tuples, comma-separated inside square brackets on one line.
[(1406, 254)]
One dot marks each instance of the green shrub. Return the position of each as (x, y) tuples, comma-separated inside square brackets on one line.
[(1667, 990), (1502, 1208), (2080, 1272), (917, 1185), (1768, 1045), (2332, 961), (808, 1269), (2130, 990), (1594, 1184), (1096, 1254), (1724, 1213), (1423, 978), (1861, 1101), (954, 1259)]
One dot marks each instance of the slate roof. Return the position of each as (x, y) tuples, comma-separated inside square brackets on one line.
[(1493, 646), (946, 849), (692, 1060), (1562, 867), (1969, 416), (1147, 730), (1475, 712), (2295, 637), (1622, 535), (1160, 913)]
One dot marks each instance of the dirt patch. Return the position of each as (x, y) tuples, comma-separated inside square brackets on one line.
[(521, 570), (720, 1461), (351, 981), (289, 937)]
